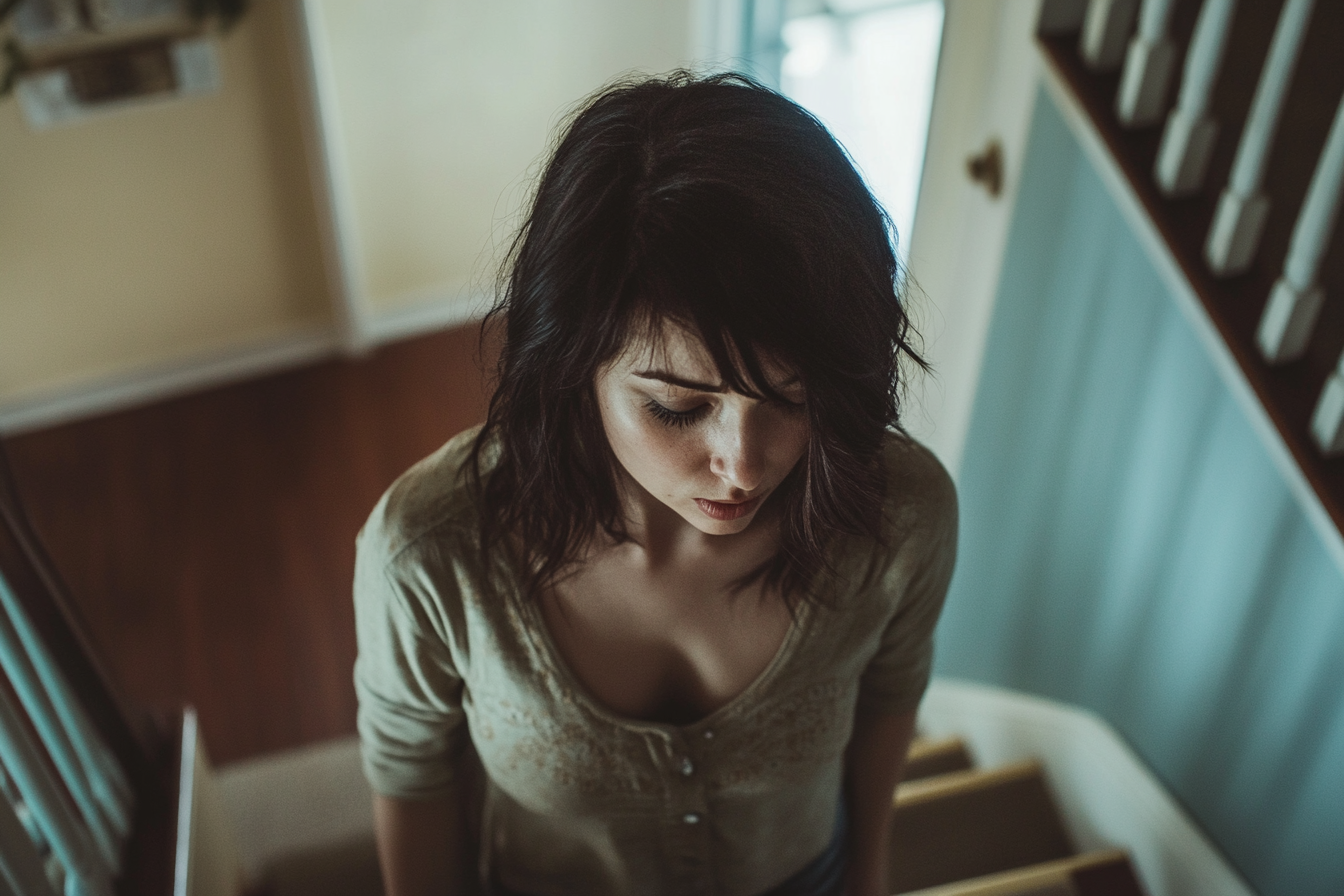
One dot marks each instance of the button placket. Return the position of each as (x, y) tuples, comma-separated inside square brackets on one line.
[(689, 811)]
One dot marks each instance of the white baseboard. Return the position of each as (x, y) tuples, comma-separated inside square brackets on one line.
[(428, 312), (1108, 796), (140, 386), (157, 382)]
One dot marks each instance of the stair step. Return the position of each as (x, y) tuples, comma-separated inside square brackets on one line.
[(936, 756), (972, 823), (1101, 873)]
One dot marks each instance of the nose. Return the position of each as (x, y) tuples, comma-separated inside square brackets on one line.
[(737, 453)]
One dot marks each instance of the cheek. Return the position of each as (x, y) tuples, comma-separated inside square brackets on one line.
[(790, 443), (647, 448)]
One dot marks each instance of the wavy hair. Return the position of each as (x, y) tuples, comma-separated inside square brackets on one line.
[(718, 204)]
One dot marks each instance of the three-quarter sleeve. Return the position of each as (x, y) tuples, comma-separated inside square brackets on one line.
[(409, 689), (916, 580)]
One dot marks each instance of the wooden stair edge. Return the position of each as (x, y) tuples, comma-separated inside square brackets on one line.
[(921, 747), (922, 790), (1043, 874)]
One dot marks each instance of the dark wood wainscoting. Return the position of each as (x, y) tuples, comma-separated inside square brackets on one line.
[(208, 540)]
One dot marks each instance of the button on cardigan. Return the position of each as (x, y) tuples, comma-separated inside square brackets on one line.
[(579, 800)]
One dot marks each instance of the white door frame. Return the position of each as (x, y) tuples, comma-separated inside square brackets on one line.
[(988, 75)]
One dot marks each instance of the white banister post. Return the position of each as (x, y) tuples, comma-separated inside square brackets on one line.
[(1294, 303), (1147, 75), (17, 665), (105, 775), (1240, 219), (1105, 33), (1188, 139), (86, 872), (20, 861), (1327, 423)]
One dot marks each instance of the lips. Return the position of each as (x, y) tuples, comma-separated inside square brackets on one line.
[(726, 510)]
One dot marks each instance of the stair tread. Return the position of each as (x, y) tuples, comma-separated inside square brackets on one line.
[(951, 783), (936, 756), (971, 823), (1059, 874)]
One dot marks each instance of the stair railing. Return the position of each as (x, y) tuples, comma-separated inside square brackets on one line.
[(1222, 186)]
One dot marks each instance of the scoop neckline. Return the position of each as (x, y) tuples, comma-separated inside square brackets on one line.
[(540, 635)]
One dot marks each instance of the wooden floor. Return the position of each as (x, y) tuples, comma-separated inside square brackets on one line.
[(209, 540)]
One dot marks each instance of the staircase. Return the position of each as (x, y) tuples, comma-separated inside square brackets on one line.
[(958, 830)]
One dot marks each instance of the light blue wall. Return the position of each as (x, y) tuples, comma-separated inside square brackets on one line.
[(1127, 545)]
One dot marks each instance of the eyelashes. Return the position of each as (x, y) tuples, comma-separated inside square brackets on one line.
[(683, 419), (678, 419)]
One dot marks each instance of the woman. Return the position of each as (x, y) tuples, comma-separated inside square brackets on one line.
[(676, 596)]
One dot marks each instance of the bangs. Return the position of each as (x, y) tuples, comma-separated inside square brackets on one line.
[(728, 284)]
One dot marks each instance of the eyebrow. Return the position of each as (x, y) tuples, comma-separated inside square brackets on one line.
[(673, 380)]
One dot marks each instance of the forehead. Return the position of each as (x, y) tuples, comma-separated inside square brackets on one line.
[(669, 346)]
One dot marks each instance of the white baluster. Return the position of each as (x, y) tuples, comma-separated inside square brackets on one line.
[(1105, 32), (105, 775), (1294, 303), (15, 661), (1240, 219), (86, 872), (19, 858), (1147, 75), (1187, 141), (1327, 423)]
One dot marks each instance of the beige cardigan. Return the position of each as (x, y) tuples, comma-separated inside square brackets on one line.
[(581, 801)]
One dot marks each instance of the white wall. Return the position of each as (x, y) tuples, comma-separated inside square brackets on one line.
[(157, 234), (445, 110), (169, 248)]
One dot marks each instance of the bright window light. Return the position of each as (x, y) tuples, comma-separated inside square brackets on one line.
[(869, 77)]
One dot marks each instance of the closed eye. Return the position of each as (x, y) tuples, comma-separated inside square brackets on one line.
[(669, 417)]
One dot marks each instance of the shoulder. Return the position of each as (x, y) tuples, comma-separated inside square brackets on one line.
[(919, 510), (918, 486), (431, 499)]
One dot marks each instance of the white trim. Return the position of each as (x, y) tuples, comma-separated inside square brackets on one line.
[(426, 312), (186, 793), (717, 39), (143, 385), (1108, 797), (328, 172), (986, 89), (414, 315), (1169, 270)]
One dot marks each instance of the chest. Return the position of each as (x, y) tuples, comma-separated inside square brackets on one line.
[(671, 647)]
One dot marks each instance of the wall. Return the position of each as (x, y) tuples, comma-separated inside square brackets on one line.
[(1127, 545), (444, 111), (171, 247), (159, 234)]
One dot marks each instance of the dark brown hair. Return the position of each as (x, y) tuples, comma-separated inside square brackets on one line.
[(716, 203)]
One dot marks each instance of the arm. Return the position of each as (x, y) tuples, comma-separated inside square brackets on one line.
[(421, 846), (873, 765)]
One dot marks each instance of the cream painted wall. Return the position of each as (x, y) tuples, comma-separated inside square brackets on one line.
[(445, 110), (161, 234)]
